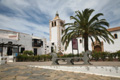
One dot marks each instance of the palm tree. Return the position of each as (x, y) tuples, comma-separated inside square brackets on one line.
[(86, 26)]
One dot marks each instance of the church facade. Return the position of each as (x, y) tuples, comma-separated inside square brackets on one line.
[(56, 28)]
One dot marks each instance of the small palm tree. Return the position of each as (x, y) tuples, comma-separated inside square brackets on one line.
[(86, 27)]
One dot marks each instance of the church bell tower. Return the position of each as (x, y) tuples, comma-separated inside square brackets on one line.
[(56, 28)]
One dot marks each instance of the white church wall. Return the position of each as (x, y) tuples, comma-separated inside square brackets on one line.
[(69, 49), (113, 47), (54, 35), (106, 47), (80, 45)]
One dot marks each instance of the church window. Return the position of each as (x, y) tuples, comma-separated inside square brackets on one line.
[(52, 24), (115, 36), (55, 23), (80, 41), (52, 43)]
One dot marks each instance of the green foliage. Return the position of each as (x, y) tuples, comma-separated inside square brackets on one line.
[(27, 52), (81, 55), (88, 27), (64, 56), (110, 57), (114, 55), (70, 55), (103, 55), (25, 57), (118, 54), (96, 55)]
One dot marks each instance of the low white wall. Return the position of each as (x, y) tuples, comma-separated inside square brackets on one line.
[(112, 71)]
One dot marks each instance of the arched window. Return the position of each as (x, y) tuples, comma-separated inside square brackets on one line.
[(80, 41), (115, 36), (55, 23), (52, 24)]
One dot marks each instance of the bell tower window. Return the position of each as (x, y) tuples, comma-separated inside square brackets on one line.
[(55, 23), (52, 24)]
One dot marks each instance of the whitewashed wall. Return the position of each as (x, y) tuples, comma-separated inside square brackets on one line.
[(107, 47), (113, 47), (54, 35), (23, 39)]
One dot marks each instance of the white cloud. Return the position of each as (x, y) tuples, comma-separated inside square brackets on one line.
[(44, 10)]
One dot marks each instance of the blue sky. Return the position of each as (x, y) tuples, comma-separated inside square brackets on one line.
[(32, 16)]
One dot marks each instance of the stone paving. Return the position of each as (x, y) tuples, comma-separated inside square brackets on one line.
[(20, 71)]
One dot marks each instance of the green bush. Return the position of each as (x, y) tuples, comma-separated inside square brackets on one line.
[(114, 55), (103, 55), (110, 57), (96, 55), (118, 58), (81, 55), (70, 55), (27, 52), (25, 57), (118, 55)]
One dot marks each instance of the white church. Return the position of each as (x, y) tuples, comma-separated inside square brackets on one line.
[(12, 42), (56, 28)]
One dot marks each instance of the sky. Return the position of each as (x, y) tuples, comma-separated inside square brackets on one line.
[(33, 16)]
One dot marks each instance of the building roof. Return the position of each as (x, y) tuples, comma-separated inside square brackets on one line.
[(8, 30), (34, 37), (113, 29), (13, 31)]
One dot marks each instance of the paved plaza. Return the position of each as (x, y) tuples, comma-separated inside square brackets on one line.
[(21, 71)]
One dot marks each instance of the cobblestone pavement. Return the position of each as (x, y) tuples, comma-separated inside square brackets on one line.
[(23, 72)]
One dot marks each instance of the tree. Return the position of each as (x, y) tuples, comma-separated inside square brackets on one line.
[(87, 26)]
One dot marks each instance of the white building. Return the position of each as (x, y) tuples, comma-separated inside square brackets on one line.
[(12, 42), (56, 27), (22, 41)]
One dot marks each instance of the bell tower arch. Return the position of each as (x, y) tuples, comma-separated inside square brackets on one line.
[(56, 27)]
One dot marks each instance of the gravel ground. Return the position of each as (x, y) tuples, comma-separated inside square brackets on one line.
[(23, 72)]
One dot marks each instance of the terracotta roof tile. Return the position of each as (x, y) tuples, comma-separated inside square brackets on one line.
[(114, 29)]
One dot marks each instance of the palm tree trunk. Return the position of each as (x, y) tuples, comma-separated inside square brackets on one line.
[(86, 42)]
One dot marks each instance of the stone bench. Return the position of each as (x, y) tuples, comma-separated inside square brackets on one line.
[(70, 60)]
